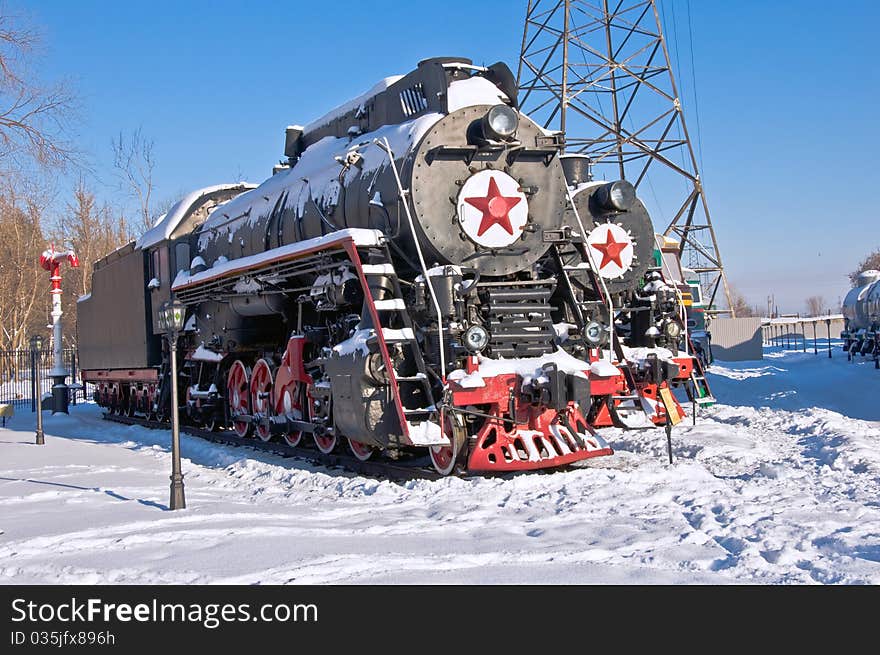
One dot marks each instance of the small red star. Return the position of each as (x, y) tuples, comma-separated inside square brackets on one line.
[(495, 207), (610, 250)]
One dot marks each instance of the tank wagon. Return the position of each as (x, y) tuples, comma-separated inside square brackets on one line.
[(424, 271), (861, 315)]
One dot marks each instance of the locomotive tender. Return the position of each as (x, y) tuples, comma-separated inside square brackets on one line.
[(424, 271)]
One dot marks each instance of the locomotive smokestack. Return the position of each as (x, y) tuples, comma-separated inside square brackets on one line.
[(577, 169)]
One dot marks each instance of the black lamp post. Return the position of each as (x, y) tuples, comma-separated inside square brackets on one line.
[(37, 348), (828, 327), (172, 315)]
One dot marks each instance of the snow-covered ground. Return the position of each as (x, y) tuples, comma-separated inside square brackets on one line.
[(778, 484)]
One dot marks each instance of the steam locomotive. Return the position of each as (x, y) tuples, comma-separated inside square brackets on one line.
[(424, 271), (861, 313)]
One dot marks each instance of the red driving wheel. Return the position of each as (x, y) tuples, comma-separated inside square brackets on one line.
[(289, 403), (261, 398), (238, 397)]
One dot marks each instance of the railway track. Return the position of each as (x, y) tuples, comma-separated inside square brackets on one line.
[(409, 469)]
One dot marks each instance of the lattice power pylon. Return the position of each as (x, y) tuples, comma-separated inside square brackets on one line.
[(600, 72)]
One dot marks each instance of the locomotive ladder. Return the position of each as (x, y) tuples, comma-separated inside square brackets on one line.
[(699, 391), (391, 311)]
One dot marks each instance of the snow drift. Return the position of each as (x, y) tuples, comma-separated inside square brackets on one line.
[(779, 484)]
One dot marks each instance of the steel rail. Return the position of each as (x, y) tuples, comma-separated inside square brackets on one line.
[(415, 468)]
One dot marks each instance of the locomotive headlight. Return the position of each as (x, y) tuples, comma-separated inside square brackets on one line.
[(672, 329), (500, 123), (617, 196), (595, 333), (476, 338)]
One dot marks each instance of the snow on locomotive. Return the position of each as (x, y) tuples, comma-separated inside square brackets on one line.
[(424, 271)]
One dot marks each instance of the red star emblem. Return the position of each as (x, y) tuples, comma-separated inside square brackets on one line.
[(495, 207), (610, 250)]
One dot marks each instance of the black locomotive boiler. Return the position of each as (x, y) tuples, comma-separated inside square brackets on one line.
[(423, 271)]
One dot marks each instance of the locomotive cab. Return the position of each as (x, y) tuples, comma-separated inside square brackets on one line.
[(167, 244)]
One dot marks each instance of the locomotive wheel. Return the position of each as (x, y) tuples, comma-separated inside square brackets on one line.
[(238, 397), (290, 402), (131, 406), (360, 450), (444, 458), (261, 392), (326, 443)]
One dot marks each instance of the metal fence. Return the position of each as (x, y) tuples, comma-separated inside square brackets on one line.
[(796, 333), (18, 370)]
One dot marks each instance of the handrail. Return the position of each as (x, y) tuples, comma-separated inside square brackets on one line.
[(384, 145)]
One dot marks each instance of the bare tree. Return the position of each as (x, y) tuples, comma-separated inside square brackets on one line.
[(741, 306), (161, 207), (33, 118), (816, 306), (22, 282), (872, 261), (134, 162), (92, 231)]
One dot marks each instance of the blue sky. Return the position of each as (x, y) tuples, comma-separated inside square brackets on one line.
[(787, 93)]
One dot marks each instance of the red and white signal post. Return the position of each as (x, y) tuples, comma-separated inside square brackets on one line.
[(51, 261)]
